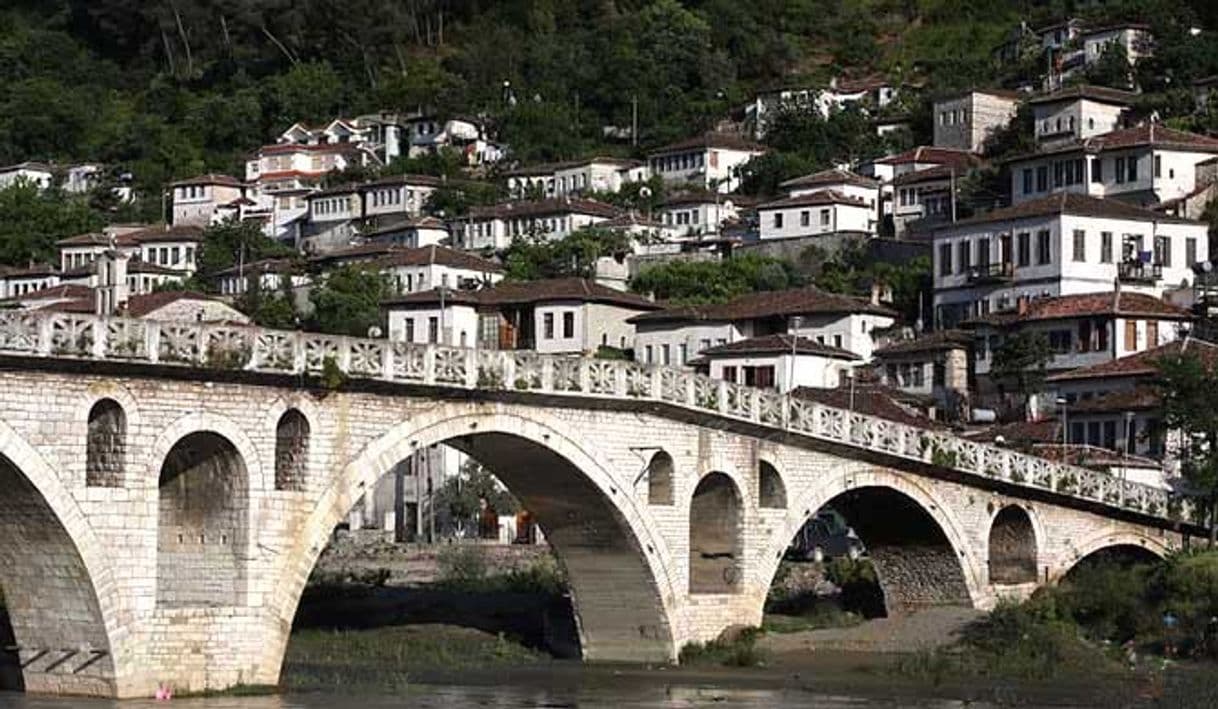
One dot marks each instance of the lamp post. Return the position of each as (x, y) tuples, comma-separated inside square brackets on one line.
[(1061, 401)]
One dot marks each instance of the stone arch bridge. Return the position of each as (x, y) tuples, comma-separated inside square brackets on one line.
[(167, 489)]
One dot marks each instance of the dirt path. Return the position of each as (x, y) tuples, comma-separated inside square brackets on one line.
[(925, 630)]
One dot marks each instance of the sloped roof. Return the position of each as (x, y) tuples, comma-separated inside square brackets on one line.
[(1078, 205), (141, 305), (542, 207), (1143, 364), (931, 342), (796, 301), (869, 399), (1155, 135), (707, 197), (778, 344), (929, 154), (720, 141), (938, 172), (440, 256), (1091, 456), (1140, 398), (814, 199), (1099, 94), (528, 292), (210, 178), (830, 177), (1113, 303)]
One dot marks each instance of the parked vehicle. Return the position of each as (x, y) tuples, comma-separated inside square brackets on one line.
[(826, 536)]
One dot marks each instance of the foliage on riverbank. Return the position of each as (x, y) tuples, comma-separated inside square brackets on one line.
[(734, 649), (464, 568)]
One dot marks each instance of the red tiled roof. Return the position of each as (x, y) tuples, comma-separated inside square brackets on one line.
[(439, 255), (931, 342), (814, 199), (779, 344), (928, 154), (1099, 94), (159, 234), (1137, 305), (551, 167), (938, 172), (872, 400), (720, 141), (1145, 363), (1073, 204), (411, 179), (139, 306), (210, 178), (505, 210), (528, 292), (830, 177), (1155, 135), (707, 197), (1091, 456), (1140, 398), (267, 265), (797, 301)]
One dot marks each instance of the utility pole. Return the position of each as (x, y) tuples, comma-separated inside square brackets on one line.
[(634, 120), (399, 502)]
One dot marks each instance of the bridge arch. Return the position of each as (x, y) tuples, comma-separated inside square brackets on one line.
[(599, 530), (716, 544), (771, 490), (1013, 546), (51, 567), (82, 414), (940, 569), (1124, 540), (257, 477), (660, 473)]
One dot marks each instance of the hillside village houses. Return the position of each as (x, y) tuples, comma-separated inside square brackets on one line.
[(574, 178), (207, 199), (917, 184), (680, 336), (966, 121), (696, 214), (1065, 244), (338, 214), (936, 366), (870, 93), (557, 316), (710, 161), (495, 226), (825, 202), (1077, 113)]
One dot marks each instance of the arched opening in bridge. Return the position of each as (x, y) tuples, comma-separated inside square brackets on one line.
[(291, 450), (579, 585), (202, 527), (1012, 547), (715, 547), (50, 619), (772, 492), (659, 479), (879, 548), (105, 444), (1115, 556)]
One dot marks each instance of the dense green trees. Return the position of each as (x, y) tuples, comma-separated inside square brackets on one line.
[(1189, 386), (33, 220), (695, 282), (347, 301), (534, 257)]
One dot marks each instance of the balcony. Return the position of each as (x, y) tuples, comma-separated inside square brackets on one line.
[(983, 274), (1139, 272)]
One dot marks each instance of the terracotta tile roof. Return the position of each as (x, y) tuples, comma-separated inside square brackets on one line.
[(712, 140), (364, 252), (1072, 204), (544, 207), (707, 197), (138, 266), (938, 156), (1143, 364), (529, 292), (210, 178), (281, 148), (1019, 433), (1112, 303), (936, 173), (872, 400), (1155, 135), (830, 177), (139, 306), (627, 220), (1099, 94), (416, 223), (268, 265), (31, 271), (778, 344), (551, 167), (410, 179), (163, 233), (1091, 456), (95, 239), (440, 256), (814, 199), (1140, 398), (931, 342), (64, 291), (797, 301)]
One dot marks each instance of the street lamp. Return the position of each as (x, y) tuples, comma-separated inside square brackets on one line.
[(1061, 401)]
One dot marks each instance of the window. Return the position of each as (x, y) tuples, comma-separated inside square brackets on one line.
[(1190, 252), (945, 259), (410, 329), (805, 219), (824, 217), (962, 254), (1105, 247), (1042, 178), (1152, 333), (547, 326), (983, 252), (1119, 169), (1132, 164), (1059, 177), (1059, 341), (1131, 335), (1158, 166), (1024, 246), (1044, 254), (1163, 251), (704, 345), (1027, 180), (777, 220), (1084, 336), (682, 353), (1080, 245), (433, 329), (729, 374), (665, 355), (1097, 170), (647, 354), (837, 341), (1101, 336)]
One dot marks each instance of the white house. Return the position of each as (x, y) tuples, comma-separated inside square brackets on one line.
[(674, 336), (269, 274), (868, 93), (699, 213), (710, 161), (935, 365), (397, 195), (35, 173), (1135, 39), (412, 233), (844, 181), (1064, 244), (198, 200), (18, 282), (813, 213), (779, 361), (426, 267), (966, 121), (1078, 113), (495, 226), (1143, 165), (575, 177), (172, 248), (558, 316)]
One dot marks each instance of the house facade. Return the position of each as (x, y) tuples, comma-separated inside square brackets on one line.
[(198, 200), (496, 226), (936, 365), (814, 213), (710, 161), (695, 214), (1065, 244), (574, 178), (966, 121), (779, 361), (1078, 113)]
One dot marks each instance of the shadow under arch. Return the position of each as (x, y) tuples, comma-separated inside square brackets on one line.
[(592, 524), (1013, 547), (54, 614), (916, 563), (1121, 551)]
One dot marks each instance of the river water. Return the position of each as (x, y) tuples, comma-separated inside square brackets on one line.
[(507, 697)]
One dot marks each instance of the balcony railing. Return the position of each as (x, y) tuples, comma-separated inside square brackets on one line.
[(1139, 272), (253, 349), (992, 273)]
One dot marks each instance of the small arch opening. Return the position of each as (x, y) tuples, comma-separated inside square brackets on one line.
[(1012, 547), (715, 547), (659, 479), (106, 444), (291, 451), (772, 492), (200, 534)]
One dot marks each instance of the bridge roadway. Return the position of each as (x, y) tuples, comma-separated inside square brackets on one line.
[(169, 487)]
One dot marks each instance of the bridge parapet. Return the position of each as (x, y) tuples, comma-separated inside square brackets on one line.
[(248, 348)]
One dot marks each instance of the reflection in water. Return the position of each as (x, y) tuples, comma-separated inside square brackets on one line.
[(506, 697)]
